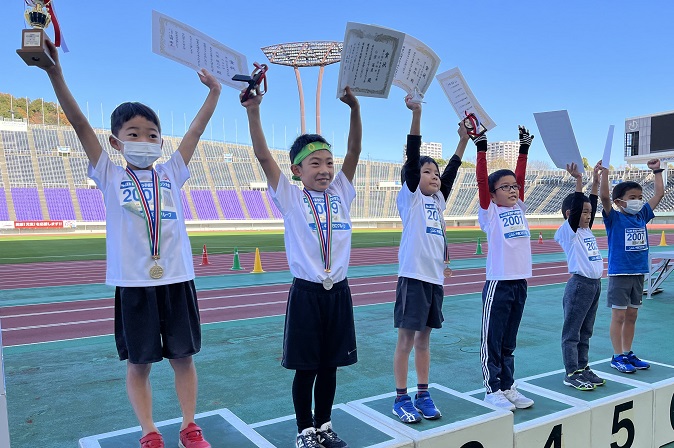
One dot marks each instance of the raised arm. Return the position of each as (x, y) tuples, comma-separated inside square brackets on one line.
[(604, 194), (659, 192), (189, 142), (410, 171), (578, 198), (85, 133), (521, 169), (481, 171), (596, 176), (260, 148), (353, 146), (449, 174)]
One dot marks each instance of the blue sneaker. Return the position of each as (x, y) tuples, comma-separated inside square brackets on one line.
[(636, 362), (622, 364), (424, 404), (405, 411)]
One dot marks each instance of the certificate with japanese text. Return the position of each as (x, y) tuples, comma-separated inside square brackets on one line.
[(558, 138), (369, 59), (461, 97), (416, 67), (194, 49)]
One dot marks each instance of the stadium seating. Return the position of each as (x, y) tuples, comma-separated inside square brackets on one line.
[(47, 164)]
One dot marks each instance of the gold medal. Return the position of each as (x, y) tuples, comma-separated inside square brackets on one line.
[(328, 283), (156, 271), (447, 272)]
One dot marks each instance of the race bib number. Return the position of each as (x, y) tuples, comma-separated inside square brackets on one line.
[(130, 200), (592, 249), (339, 221), (513, 225), (635, 239), (433, 223)]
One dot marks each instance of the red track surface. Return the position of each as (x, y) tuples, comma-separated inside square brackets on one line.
[(69, 320)]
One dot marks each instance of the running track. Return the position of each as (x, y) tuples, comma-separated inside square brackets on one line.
[(84, 318)]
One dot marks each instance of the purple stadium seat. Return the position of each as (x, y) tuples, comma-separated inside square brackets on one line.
[(277, 213), (59, 203), (91, 204), (26, 204), (4, 211), (203, 202), (229, 202), (187, 212), (255, 204)]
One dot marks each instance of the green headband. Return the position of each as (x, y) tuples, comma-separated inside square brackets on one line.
[(308, 149)]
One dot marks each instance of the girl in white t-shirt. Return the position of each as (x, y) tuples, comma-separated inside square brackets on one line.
[(423, 259)]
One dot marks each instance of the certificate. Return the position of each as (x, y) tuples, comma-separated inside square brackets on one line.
[(369, 59), (558, 137), (606, 159), (417, 66), (192, 48), (462, 98)]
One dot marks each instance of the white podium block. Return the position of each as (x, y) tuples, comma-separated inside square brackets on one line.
[(660, 378), (4, 425), (466, 422), (221, 428), (621, 413), (352, 426)]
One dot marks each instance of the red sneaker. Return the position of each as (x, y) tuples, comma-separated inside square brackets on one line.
[(152, 440), (192, 437)]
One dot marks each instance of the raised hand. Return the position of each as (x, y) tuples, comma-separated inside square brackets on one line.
[(349, 98), (654, 164), (572, 169), (254, 98), (463, 132), (411, 104), (209, 80), (525, 137), (596, 171)]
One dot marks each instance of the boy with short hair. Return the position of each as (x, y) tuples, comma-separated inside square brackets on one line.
[(319, 333), (149, 257), (581, 295), (627, 237)]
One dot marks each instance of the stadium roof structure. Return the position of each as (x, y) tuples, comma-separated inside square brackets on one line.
[(306, 54)]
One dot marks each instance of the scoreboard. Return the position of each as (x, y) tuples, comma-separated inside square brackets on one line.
[(648, 137)]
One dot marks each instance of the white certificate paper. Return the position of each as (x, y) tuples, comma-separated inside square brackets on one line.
[(416, 67), (369, 59), (606, 159), (558, 137), (194, 49), (462, 98)]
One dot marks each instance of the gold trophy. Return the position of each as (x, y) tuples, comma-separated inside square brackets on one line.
[(34, 49)]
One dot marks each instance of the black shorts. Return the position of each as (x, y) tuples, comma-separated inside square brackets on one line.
[(156, 322), (418, 305), (319, 330)]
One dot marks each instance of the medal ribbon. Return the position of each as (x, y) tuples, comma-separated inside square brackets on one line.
[(153, 224), (443, 225), (474, 122), (325, 241)]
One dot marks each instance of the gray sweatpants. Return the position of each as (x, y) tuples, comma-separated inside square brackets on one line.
[(581, 298)]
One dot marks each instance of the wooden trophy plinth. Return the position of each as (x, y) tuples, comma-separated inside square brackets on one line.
[(34, 50)]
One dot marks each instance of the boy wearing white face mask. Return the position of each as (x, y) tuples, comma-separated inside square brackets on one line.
[(149, 258), (627, 260)]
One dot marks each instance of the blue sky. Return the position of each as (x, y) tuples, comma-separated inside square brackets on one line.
[(603, 61)]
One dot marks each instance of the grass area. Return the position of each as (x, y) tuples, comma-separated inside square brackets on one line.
[(30, 249)]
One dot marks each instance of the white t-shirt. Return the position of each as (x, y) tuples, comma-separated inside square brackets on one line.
[(509, 251), (581, 251), (128, 248), (422, 246), (301, 240)]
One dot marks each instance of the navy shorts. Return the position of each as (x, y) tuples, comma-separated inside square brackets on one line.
[(156, 322), (418, 305), (319, 330)]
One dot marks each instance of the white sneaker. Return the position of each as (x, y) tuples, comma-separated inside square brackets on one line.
[(499, 400), (516, 398)]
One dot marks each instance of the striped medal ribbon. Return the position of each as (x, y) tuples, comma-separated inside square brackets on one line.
[(324, 241), (152, 222), (443, 225)]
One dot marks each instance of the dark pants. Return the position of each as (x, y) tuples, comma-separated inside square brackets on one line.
[(581, 299), (324, 396), (502, 307)]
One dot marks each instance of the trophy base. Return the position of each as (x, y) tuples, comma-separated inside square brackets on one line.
[(34, 50)]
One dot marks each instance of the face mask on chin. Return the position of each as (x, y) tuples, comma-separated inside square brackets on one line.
[(140, 154), (633, 206)]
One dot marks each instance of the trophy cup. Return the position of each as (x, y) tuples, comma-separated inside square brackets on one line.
[(34, 49)]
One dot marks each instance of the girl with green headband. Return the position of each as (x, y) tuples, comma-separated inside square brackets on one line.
[(319, 333)]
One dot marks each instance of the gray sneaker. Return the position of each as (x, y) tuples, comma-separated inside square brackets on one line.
[(578, 381), (592, 377)]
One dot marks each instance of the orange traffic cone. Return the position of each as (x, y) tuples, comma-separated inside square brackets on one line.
[(204, 257), (540, 237), (257, 267)]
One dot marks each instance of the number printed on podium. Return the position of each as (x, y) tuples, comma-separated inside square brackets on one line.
[(623, 423)]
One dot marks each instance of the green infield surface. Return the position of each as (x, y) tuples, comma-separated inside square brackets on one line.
[(31, 249)]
